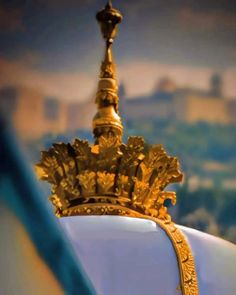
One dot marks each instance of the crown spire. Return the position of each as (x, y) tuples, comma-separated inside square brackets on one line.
[(107, 122)]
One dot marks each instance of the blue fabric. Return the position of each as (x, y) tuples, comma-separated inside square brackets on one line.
[(20, 191)]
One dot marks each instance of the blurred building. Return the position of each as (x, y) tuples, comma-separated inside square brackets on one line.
[(184, 104), (80, 115), (232, 110), (192, 106), (158, 105), (31, 112), (35, 114)]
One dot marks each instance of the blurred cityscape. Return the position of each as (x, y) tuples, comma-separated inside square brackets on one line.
[(197, 126), (167, 102), (176, 61)]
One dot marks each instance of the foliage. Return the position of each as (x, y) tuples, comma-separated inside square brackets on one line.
[(218, 216), (194, 144)]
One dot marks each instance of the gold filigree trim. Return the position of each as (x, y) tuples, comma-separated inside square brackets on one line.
[(186, 263)]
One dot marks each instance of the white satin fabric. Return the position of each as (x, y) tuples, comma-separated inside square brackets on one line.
[(132, 256)]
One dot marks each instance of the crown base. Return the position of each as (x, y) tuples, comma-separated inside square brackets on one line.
[(108, 209)]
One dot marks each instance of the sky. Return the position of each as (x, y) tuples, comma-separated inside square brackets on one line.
[(56, 45)]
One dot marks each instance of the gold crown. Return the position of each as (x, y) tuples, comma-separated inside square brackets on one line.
[(109, 177)]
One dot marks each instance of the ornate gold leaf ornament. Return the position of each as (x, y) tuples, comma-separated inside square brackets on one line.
[(113, 178)]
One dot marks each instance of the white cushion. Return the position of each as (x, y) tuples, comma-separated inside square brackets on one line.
[(132, 256)]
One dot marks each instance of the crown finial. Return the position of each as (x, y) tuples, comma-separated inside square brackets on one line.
[(108, 18), (107, 122)]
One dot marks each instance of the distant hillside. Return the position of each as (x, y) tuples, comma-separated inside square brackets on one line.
[(204, 149)]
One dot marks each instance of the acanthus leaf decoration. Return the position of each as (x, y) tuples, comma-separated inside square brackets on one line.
[(122, 174)]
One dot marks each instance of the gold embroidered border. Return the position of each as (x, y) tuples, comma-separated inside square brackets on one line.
[(187, 269)]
